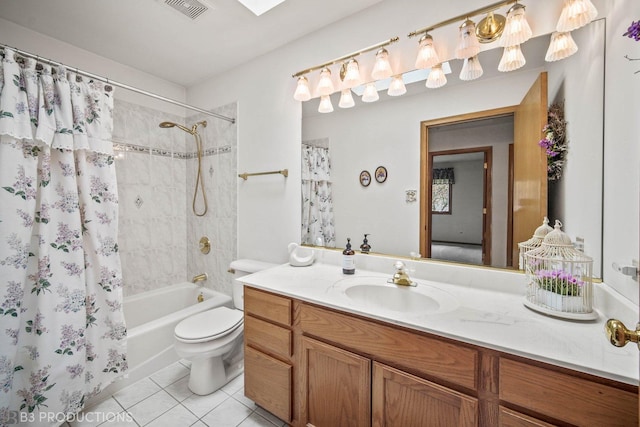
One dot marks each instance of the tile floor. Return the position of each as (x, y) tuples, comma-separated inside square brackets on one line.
[(163, 399)]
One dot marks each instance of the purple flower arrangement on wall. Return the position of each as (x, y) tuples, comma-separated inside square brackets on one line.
[(555, 141)]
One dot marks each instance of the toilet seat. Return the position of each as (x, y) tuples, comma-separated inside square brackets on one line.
[(209, 325)]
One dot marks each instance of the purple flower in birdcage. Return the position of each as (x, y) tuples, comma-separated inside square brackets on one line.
[(559, 282)]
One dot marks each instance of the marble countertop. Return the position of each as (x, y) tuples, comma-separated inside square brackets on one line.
[(491, 316)]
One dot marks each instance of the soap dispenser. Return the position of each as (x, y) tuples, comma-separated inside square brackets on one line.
[(365, 247), (348, 261)]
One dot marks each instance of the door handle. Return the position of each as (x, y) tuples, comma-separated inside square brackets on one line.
[(619, 335)]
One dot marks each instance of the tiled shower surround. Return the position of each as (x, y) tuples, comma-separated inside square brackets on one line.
[(156, 170)]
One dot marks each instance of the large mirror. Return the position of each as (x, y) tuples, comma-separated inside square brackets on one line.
[(391, 134)]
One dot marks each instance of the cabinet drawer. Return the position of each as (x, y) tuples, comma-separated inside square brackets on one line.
[(509, 418), (427, 356), (267, 306), (268, 337), (564, 397), (267, 381)]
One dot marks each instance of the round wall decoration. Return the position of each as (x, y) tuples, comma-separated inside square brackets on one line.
[(365, 178), (381, 174)]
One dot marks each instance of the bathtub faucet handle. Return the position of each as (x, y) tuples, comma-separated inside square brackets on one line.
[(200, 278)]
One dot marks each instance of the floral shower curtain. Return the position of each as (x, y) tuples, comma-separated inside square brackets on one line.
[(62, 330), (317, 203)]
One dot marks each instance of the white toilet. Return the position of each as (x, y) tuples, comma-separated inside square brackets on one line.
[(212, 340)]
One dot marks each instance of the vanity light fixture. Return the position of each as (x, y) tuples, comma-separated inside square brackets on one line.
[(512, 59), (427, 54), (468, 43), (349, 72), (397, 87), (382, 67), (517, 29), (346, 99), (325, 85), (576, 14), (562, 46), (436, 78), (471, 69), (302, 92), (325, 104), (351, 76), (370, 93)]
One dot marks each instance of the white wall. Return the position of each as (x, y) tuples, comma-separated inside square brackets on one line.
[(622, 148), (464, 224), (269, 119), (38, 44)]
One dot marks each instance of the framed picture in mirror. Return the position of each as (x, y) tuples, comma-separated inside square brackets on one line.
[(365, 178)]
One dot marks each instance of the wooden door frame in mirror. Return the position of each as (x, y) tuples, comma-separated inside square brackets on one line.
[(425, 167)]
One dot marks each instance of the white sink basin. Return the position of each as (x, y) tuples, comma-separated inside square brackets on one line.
[(376, 294)]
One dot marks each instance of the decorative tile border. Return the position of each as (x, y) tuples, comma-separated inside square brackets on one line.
[(132, 148)]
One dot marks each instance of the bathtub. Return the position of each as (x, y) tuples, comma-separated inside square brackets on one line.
[(151, 318)]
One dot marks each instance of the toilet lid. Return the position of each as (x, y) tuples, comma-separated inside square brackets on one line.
[(209, 324)]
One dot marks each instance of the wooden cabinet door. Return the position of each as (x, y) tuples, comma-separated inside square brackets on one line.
[(267, 381), (336, 389), (403, 400)]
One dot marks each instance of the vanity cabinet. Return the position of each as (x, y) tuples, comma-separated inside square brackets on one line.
[(314, 366), (268, 351)]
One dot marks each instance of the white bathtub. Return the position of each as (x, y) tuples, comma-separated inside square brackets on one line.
[(151, 318)]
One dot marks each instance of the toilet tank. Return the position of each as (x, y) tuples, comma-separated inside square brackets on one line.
[(242, 267)]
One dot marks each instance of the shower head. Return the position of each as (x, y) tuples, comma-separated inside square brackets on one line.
[(192, 131), (172, 124)]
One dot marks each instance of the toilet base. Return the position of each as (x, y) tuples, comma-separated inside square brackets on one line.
[(207, 375)]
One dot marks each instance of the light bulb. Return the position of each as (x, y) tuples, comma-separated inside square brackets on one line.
[(346, 99), (427, 55), (471, 69), (516, 29), (436, 77), (396, 87), (512, 59), (468, 44), (325, 85), (562, 46), (576, 14), (325, 104), (302, 92), (370, 93), (352, 76), (382, 68)]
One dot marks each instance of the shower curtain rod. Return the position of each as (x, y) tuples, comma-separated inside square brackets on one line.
[(118, 84)]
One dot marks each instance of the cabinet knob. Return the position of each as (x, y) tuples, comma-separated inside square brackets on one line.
[(619, 335), (310, 425)]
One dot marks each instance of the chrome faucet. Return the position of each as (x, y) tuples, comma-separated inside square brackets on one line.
[(401, 277), (200, 278)]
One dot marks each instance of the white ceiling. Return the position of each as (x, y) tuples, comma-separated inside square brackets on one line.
[(153, 37)]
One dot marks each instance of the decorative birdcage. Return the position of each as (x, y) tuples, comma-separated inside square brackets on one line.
[(559, 278), (534, 242)]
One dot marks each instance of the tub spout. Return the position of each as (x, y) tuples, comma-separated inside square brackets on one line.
[(200, 278)]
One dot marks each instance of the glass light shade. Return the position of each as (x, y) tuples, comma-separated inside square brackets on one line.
[(468, 43), (370, 93), (427, 55), (325, 85), (512, 59), (471, 69), (576, 14), (302, 92), (382, 67), (325, 104), (352, 76), (346, 99), (562, 46), (516, 29), (396, 87), (436, 77)]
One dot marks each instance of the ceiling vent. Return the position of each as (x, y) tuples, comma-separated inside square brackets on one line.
[(190, 8)]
